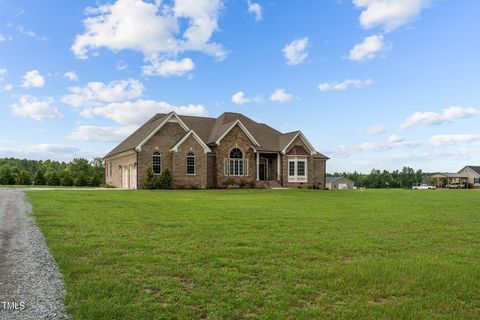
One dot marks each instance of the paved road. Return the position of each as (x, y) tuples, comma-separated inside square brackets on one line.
[(29, 278)]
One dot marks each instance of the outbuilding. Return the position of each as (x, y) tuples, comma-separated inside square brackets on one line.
[(340, 183)]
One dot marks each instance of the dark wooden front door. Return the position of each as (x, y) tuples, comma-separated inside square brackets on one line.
[(263, 169)]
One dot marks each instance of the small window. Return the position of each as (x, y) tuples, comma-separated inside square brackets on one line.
[(190, 164), (157, 163), (236, 154), (291, 168), (301, 168), (476, 180), (110, 169)]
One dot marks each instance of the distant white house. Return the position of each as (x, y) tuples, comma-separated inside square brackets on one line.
[(340, 183)]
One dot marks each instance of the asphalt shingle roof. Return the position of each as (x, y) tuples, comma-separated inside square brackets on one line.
[(210, 129)]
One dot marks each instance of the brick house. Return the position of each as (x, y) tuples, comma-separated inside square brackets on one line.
[(205, 152)]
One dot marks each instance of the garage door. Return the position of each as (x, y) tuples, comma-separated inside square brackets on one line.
[(342, 186)]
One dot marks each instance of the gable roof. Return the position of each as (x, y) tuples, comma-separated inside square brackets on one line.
[(192, 133), (332, 179), (474, 168), (211, 130)]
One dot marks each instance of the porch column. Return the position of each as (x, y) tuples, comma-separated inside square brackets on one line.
[(278, 166), (258, 166)]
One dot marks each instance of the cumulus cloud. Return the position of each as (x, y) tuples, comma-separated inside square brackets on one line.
[(392, 142), (296, 51), (137, 112), (280, 95), (449, 114), (373, 131), (71, 75), (42, 151), (390, 14), (256, 10), (8, 87), (35, 108), (160, 31), (240, 98), (168, 68), (97, 133), (445, 139), (3, 73), (368, 49), (33, 79), (96, 93), (344, 85)]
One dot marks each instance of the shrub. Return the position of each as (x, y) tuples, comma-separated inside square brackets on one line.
[(150, 180), (81, 180), (52, 178), (166, 180), (229, 183), (67, 179), (242, 183), (6, 176), (252, 184)]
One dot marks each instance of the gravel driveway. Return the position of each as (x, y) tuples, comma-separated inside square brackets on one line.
[(31, 286)]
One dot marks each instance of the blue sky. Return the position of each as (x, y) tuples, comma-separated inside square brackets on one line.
[(371, 83)]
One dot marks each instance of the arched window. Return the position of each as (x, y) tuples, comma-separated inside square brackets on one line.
[(190, 163), (236, 154), (236, 164), (157, 163)]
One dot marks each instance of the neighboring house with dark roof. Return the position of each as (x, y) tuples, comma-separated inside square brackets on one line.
[(341, 183), (205, 152), (469, 175), (473, 175)]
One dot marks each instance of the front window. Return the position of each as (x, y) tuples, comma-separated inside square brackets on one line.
[(236, 163), (157, 163), (476, 180), (297, 170), (190, 164)]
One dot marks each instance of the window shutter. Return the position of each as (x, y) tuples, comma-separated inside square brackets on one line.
[(246, 167), (226, 167)]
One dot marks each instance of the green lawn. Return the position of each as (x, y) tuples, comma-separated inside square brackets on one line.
[(266, 254)]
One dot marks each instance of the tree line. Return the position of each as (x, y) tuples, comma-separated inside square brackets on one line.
[(405, 178), (78, 172)]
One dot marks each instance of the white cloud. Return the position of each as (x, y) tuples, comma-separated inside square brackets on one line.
[(95, 93), (445, 139), (344, 85), (30, 33), (8, 87), (168, 68), (160, 31), (43, 150), (71, 75), (392, 142), (390, 14), (3, 73), (240, 98), (2, 38), (450, 114), (296, 51), (121, 65), (368, 49), (256, 10), (96, 133), (35, 108), (33, 79), (280, 95), (373, 131), (137, 112)]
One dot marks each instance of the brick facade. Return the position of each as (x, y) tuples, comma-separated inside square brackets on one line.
[(127, 164)]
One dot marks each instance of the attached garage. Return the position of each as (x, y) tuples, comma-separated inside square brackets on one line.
[(339, 183)]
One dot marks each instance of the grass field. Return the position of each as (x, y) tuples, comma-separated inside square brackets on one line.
[(266, 254)]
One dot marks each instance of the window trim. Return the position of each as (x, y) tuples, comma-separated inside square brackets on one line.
[(236, 167), (476, 180), (191, 155), (155, 155), (295, 177)]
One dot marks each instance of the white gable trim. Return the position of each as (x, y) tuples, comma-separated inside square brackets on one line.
[(240, 124), (469, 167), (173, 117), (300, 134), (206, 149), (118, 155)]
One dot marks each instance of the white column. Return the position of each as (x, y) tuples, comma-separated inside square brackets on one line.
[(258, 166), (278, 166)]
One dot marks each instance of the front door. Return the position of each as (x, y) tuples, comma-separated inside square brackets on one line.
[(263, 169)]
